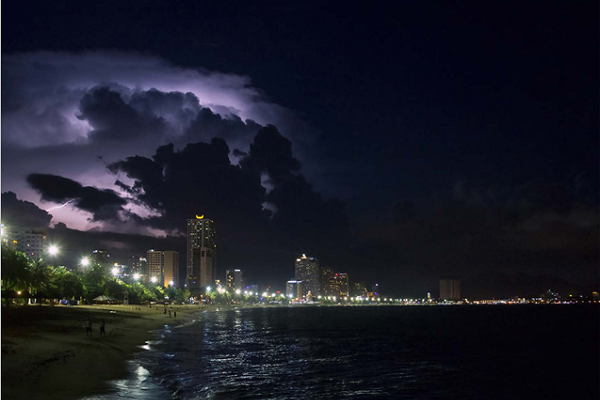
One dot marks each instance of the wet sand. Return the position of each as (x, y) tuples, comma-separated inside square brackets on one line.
[(47, 355)]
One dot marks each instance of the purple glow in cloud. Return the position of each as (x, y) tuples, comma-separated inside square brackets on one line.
[(71, 114)]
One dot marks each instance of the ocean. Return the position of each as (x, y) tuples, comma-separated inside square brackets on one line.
[(373, 352)]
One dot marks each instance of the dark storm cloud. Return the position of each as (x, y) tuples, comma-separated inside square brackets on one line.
[(103, 204), (19, 213), (300, 210), (71, 114), (200, 179), (113, 120)]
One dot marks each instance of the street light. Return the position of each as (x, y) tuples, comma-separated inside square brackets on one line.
[(115, 271), (170, 283), (136, 276), (85, 261), (153, 279), (238, 291), (207, 289), (53, 250)]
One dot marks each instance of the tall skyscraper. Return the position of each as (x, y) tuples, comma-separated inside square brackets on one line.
[(344, 284), (234, 279), (450, 289), (164, 266), (326, 274), (308, 271), (201, 252), (171, 268)]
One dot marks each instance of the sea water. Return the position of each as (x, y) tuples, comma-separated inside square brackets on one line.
[(366, 352)]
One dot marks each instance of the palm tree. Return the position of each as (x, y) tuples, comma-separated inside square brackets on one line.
[(39, 275), (15, 271)]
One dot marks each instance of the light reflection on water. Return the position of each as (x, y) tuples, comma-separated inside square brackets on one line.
[(139, 385), (349, 353)]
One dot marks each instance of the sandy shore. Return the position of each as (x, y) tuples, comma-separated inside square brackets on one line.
[(47, 355)]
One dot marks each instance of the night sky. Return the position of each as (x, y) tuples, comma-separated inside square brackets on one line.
[(399, 142)]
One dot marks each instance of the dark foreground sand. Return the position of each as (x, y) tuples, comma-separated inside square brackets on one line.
[(47, 355)]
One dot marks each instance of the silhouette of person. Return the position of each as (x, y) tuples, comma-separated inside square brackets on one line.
[(102, 326), (88, 327)]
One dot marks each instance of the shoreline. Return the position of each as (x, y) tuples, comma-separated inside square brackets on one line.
[(47, 355)]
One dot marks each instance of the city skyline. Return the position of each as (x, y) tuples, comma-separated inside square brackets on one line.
[(398, 143)]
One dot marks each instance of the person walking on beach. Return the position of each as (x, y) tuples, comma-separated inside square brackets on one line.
[(88, 327), (174, 314), (102, 326)]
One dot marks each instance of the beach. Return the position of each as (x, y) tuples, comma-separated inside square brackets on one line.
[(47, 355)]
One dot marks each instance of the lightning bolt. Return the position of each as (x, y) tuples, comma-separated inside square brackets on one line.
[(54, 208)]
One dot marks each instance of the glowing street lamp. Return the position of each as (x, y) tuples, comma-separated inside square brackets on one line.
[(153, 279), (238, 291), (115, 271), (265, 294), (170, 283), (207, 289), (53, 250), (136, 276), (85, 261)]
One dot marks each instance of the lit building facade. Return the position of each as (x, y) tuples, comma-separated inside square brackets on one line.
[(201, 252), (359, 289), (234, 279), (294, 290), (308, 271), (450, 289), (326, 274), (339, 285), (101, 257), (8, 238), (30, 242), (171, 268), (138, 265), (164, 266), (155, 266)]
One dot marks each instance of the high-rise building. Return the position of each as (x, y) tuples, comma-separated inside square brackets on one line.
[(201, 252), (359, 289), (326, 274), (8, 238), (155, 266), (171, 268), (294, 290), (101, 257), (339, 285), (234, 279), (344, 284), (308, 271), (450, 289), (30, 242), (138, 265), (164, 266)]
